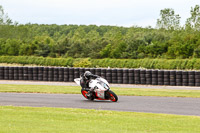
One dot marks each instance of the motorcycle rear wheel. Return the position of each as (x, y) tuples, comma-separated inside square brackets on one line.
[(112, 96)]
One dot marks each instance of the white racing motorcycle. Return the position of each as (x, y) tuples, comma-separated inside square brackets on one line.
[(101, 90)]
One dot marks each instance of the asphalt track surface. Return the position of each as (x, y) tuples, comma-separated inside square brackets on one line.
[(166, 105)]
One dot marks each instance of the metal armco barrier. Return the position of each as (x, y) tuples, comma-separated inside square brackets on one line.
[(117, 76)]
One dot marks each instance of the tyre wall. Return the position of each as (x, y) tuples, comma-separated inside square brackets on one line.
[(116, 76)]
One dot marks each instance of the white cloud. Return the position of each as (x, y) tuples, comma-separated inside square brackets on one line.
[(101, 12)]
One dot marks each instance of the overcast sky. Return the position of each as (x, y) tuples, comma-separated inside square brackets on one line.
[(99, 12)]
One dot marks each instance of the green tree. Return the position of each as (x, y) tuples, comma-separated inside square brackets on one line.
[(61, 47), (156, 49), (93, 44), (106, 52), (134, 39), (27, 49), (77, 43), (194, 21), (169, 20), (11, 47), (4, 19), (2, 44), (43, 44)]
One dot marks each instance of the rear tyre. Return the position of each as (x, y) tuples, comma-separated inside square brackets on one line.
[(112, 96)]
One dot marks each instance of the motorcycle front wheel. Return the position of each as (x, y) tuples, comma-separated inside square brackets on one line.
[(84, 92), (112, 96)]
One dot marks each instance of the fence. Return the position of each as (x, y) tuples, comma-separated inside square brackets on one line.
[(117, 76)]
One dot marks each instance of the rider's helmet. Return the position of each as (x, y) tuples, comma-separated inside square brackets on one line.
[(87, 75)]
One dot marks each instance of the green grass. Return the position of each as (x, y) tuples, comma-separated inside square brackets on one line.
[(62, 120), (118, 91), (40, 89)]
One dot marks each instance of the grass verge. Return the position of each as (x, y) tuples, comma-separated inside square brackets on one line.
[(62, 120), (118, 91)]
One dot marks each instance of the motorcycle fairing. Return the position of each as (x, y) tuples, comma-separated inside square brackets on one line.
[(99, 88)]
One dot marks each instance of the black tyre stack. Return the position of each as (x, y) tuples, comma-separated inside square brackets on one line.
[(71, 74), (172, 78), (35, 73), (179, 78), (185, 78), (50, 74), (131, 76), (197, 78), (98, 71), (161, 77), (119, 76), (109, 75), (40, 73), (61, 74), (93, 71), (114, 75), (191, 78), (148, 76), (143, 77), (1, 72), (125, 76), (11, 73), (87, 69), (166, 77), (30, 73), (76, 73), (25, 71), (16, 73), (21, 73), (103, 73), (81, 71), (45, 74), (137, 76), (154, 77), (66, 74), (55, 74), (6, 73)]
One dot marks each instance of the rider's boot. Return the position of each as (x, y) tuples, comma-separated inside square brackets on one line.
[(89, 94)]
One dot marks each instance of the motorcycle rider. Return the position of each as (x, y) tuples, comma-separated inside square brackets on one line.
[(85, 79)]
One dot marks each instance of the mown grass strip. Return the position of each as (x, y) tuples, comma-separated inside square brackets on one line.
[(67, 120), (118, 91)]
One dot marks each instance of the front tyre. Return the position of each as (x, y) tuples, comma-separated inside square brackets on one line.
[(112, 96), (84, 92)]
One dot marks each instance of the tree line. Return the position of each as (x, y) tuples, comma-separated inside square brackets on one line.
[(167, 40)]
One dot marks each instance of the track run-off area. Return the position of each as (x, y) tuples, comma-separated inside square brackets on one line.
[(148, 104)]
